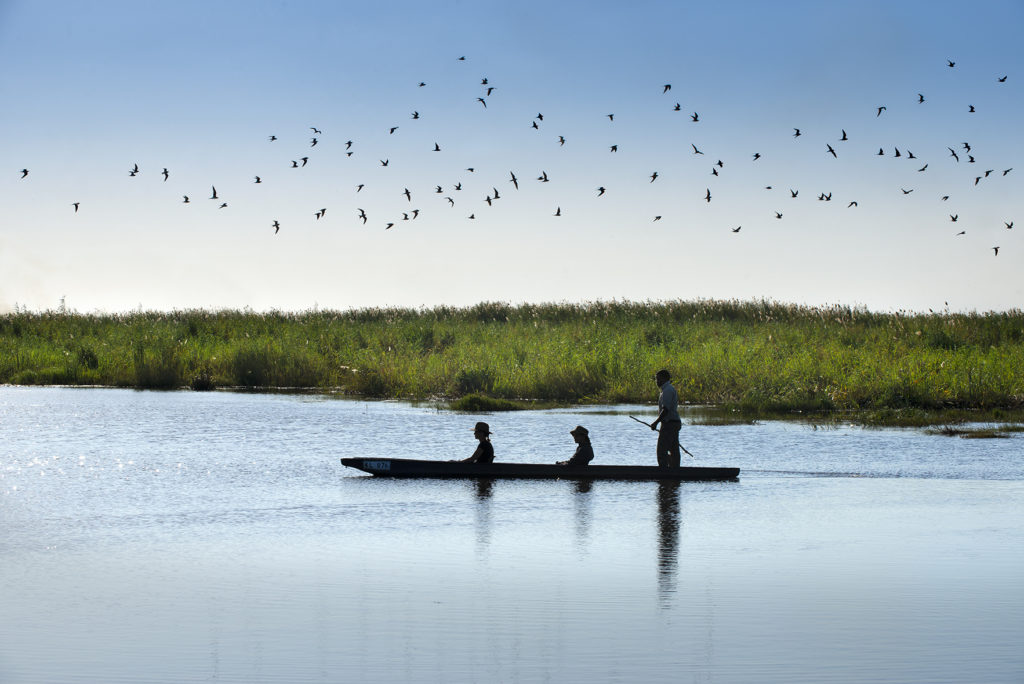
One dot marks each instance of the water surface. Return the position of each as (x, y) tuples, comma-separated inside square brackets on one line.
[(172, 537)]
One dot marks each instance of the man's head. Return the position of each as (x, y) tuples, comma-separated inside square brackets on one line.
[(662, 376)]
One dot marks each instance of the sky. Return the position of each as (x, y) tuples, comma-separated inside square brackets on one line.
[(90, 90)]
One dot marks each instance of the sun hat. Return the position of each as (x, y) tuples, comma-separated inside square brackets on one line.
[(579, 430), (482, 427)]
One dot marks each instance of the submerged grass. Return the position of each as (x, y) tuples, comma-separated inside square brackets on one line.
[(752, 359)]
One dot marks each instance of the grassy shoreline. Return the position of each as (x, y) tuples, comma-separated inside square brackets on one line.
[(747, 358)]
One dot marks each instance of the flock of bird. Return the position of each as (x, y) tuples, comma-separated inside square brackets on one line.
[(961, 152)]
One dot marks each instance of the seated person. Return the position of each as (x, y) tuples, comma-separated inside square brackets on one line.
[(584, 452), (485, 450)]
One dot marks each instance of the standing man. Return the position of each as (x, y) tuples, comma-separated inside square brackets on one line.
[(668, 416)]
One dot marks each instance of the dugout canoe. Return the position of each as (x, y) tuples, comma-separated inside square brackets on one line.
[(410, 467)]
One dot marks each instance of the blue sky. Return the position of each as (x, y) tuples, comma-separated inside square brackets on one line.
[(90, 89)]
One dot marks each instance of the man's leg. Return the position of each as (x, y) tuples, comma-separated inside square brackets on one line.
[(671, 432)]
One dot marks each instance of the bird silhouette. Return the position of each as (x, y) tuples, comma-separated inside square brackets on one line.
[(543, 177), (778, 215), (558, 211), (272, 138), (954, 217), (415, 115), (920, 98), (450, 201), (214, 194), (421, 84), (907, 192), (950, 63), (793, 193), (408, 195), (360, 187), (384, 162), (313, 142), (757, 155), (304, 160), (600, 191), (1006, 171), (514, 181), (276, 227), (185, 200), (910, 155), (482, 101), (611, 117), (316, 131), (654, 176), (223, 205), (852, 204), (24, 172), (695, 150), (438, 190), (970, 109), (388, 227), (391, 131), (295, 164), (880, 110), (1009, 226), (362, 215), (962, 232), (844, 138), (737, 229), (995, 251), (665, 88), (707, 197), (656, 218), (953, 153), (165, 174), (831, 151), (561, 140), (75, 205), (923, 167), (694, 117), (614, 148), (533, 124), (897, 152), (1002, 80)]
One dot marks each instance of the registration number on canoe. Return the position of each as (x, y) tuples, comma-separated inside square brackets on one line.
[(377, 465)]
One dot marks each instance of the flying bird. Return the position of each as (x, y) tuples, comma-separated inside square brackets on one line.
[(920, 98), (316, 131), (561, 140), (272, 138), (907, 192), (304, 160), (1002, 80), (186, 200), (223, 205), (276, 227), (558, 211), (757, 155), (708, 195), (214, 195), (392, 130), (953, 153), (360, 187), (1009, 226), (971, 109), (954, 217), (844, 138), (514, 181), (654, 176), (737, 229), (796, 132), (165, 174), (923, 167), (852, 204), (950, 63), (611, 117), (995, 250), (24, 172), (831, 151), (793, 192), (667, 87), (656, 218), (482, 101), (778, 215), (600, 191), (384, 162), (257, 180), (695, 150), (415, 115), (362, 215), (408, 195), (313, 142), (880, 110), (694, 117), (614, 148), (75, 205)]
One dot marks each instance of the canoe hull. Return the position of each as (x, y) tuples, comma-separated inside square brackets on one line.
[(415, 468)]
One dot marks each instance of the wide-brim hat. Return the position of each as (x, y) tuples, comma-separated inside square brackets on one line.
[(482, 427), (579, 430)]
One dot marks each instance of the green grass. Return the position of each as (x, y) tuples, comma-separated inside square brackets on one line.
[(751, 359)]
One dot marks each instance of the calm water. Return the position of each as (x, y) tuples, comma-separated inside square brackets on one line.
[(180, 537)]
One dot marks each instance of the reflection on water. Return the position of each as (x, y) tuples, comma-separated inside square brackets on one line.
[(221, 529), (668, 539)]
